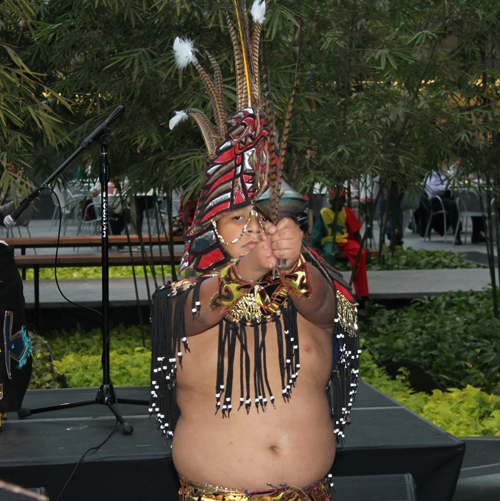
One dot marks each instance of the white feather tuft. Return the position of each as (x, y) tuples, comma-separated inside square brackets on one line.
[(258, 11), (180, 116), (184, 52)]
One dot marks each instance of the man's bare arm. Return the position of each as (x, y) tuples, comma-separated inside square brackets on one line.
[(319, 308), (283, 241), (252, 267)]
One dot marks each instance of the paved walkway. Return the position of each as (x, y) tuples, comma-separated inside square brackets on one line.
[(384, 285)]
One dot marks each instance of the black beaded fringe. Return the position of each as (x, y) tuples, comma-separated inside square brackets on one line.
[(169, 344), (233, 343), (343, 383)]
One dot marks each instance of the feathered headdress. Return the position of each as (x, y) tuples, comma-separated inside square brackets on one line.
[(245, 157)]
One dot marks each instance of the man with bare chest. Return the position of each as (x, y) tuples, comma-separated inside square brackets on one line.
[(287, 441), (255, 361)]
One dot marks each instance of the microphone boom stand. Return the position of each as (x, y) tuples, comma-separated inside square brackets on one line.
[(106, 393)]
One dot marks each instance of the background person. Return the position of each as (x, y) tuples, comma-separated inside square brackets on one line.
[(347, 238), (437, 184), (391, 210), (117, 212)]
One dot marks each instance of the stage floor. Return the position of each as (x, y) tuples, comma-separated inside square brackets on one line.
[(384, 438)]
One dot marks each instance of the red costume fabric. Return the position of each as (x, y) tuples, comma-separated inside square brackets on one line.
[(347, 226), (351, 222), (351, 248)]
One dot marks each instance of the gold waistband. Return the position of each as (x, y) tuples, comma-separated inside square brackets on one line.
[(192, 491)]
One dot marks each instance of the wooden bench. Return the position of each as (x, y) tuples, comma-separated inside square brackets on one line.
[(95, 259), (125, 258), (24, 243)]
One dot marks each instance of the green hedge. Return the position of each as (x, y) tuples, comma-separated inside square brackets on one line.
[(414, 259), (77, 354), (454, 337), (96, 272), (467, 412)]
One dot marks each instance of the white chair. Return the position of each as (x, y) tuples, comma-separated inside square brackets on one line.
[(433, 213), (68, 204), (409, 205), (468, 205), (71, 199), (90, 219)]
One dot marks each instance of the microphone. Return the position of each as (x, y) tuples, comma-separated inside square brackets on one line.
[(10, 220), (119, 111)]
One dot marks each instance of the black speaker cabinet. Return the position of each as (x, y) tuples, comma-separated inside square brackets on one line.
[(374, 488)]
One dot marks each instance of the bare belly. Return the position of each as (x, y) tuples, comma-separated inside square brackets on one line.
[(293, 444)]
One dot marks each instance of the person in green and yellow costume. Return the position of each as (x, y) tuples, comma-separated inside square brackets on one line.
[(347, 238)]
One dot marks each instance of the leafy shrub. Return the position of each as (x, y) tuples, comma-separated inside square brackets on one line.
[(464, 413), (413, 259), (454, 337), (77, 355), (409, 259), (420, 259)]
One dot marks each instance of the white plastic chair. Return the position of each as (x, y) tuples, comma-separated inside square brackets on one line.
[(409, 205), (468, 205), (71, 199), (435, 213), (93, 225), (68, 207)]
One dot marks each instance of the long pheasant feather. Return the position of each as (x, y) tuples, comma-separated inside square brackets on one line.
[(244, 40), (241, 88), (288, 118), (218, 81), (184, 55), (274, 164), (217, 102), (255, 63), (207, 129)]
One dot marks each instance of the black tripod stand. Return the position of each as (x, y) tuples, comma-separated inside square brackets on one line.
[(106, 393)]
